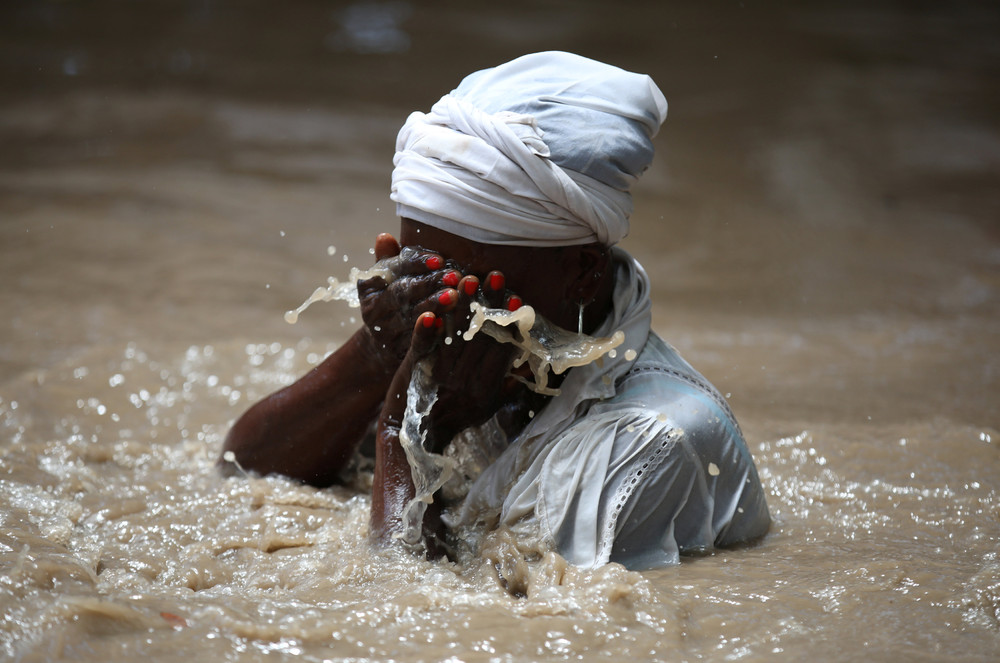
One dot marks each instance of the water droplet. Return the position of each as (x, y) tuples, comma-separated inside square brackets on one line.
[(630, 354), (713, 469)]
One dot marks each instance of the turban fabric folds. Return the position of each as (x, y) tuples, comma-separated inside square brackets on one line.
[(540, 151)]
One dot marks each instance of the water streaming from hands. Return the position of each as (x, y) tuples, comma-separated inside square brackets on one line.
[(543, 346)]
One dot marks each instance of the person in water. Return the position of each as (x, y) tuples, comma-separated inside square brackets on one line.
[(513, 191)]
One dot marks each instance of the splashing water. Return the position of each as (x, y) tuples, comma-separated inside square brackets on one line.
[(543, 345), (429, 471), (346, 291)]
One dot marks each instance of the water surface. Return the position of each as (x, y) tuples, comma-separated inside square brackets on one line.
[(820, 226)]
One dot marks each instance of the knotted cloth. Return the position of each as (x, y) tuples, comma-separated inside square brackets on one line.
[(540, 151)]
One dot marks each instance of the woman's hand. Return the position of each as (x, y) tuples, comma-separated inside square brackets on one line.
[(471, 381), (390, 306), (472, 377)]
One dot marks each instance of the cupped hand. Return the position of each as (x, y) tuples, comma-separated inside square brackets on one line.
[(469, 377), (417, 282), (472, 377)]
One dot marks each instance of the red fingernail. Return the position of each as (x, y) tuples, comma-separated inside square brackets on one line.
[(446, 297), (434, 262), (496, 280), (427, 320), (513, 303), (451, 279), (471, 285)]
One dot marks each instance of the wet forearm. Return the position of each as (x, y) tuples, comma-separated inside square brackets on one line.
[(392, 484), (311, 429)]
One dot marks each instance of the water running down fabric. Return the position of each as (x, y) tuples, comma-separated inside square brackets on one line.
[(636, 461), (539, 151)]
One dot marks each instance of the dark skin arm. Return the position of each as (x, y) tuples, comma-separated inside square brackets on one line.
[(310, 430), (392, 484)]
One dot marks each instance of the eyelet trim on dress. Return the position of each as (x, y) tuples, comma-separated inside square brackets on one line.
[(654, 457)]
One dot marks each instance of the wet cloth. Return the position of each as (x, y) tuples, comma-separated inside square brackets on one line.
[(539, 151), (638, 459)]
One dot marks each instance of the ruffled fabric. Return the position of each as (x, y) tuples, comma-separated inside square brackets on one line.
[(540, 151)]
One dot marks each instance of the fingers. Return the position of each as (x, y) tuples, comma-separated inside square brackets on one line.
[(407, 260), (404, 293), (425, 333), (440, 303), (468, 286), (415, 274), (386, 246), (497, 295), (431, 327), (492, 292), (494, 287), (414, 260)]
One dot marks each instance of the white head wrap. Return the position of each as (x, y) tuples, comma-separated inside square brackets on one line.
[(540, 151)]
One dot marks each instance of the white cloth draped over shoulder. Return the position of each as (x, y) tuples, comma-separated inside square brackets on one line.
[(540, 151)]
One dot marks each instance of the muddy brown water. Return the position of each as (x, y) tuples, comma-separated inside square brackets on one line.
[(821, 227)]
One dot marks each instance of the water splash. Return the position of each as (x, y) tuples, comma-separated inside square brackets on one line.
[(428, 470), (346, 291), (543, 345)]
